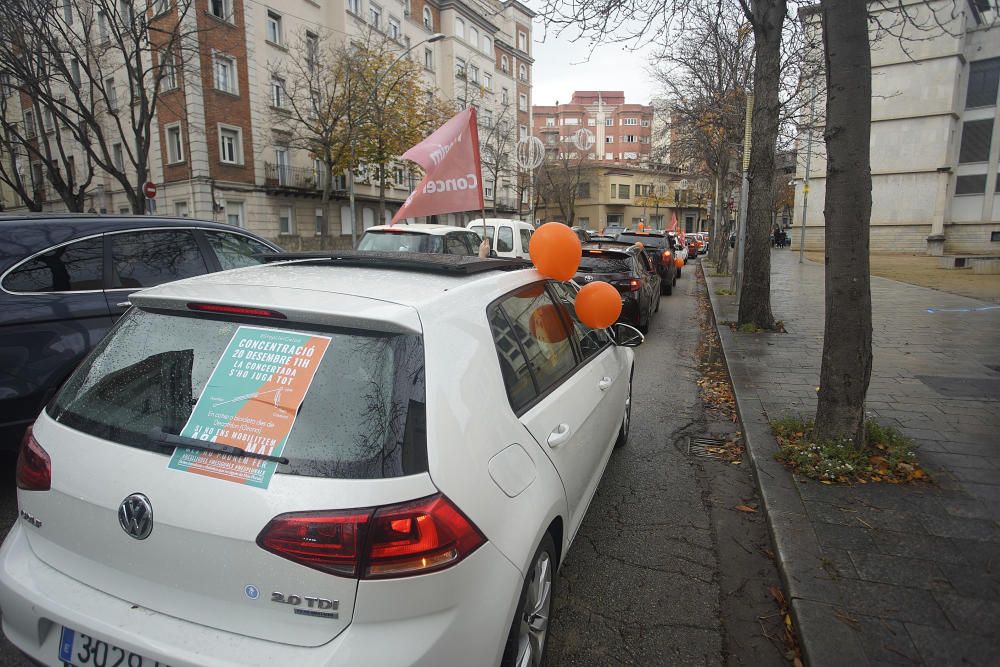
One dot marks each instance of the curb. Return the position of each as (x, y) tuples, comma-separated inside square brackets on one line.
[(812, 593)]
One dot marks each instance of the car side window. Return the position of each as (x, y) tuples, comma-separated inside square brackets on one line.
[(144, 259), (591, 341), (525, 238), (645, 263), (454, 246), (471, 242), (235, 250), (505, 240), (539, 326), (513, 364), (73, 267)]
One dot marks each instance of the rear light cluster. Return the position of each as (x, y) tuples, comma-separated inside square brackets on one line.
[(667, 255), (34, 467), (377, 542), (631, 285)]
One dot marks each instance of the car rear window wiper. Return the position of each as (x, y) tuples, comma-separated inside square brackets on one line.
[(165, 439)]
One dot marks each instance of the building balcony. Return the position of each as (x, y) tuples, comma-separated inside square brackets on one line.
[(279, 177)]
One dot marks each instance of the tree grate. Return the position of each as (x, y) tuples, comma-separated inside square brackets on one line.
[(706, 448)]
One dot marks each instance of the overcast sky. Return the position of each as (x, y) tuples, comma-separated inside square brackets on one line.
[(561, 67)]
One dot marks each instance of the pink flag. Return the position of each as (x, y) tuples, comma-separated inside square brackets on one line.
[(453, 180)]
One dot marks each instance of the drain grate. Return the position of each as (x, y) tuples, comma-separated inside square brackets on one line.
[(706, 448)]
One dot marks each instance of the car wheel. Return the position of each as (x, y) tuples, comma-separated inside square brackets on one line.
[(627, 419), (530, 628)]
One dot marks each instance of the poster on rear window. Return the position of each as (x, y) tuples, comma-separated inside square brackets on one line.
[(251, 401)]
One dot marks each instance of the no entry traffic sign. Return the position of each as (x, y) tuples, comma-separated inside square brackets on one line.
[(149, 189)]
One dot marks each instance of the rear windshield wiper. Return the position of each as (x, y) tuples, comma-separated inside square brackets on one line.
[(165, 439)]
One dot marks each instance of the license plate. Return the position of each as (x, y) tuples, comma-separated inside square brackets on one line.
[(81, 650)]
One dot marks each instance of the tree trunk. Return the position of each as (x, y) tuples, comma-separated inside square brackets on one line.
[(847, 336), (755, 290)]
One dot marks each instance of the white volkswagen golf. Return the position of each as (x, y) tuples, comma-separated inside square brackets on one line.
[(364, 460)]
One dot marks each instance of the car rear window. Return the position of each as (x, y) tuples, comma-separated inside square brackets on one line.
[(592, 264), (654, 241), (401, 242), (490, 229), (362, 417)]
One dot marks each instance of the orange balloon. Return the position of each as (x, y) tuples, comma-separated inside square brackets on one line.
[(555, 251), (546, 324), (598, 305), (679, 262)]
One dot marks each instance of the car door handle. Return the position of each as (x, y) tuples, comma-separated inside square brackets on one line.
[(605, 383), (559, 435)]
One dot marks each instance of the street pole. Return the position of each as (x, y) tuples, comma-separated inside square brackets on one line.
[(436, 37), (744, 194), (805, 182)]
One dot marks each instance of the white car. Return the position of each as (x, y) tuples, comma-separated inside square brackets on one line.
[(680, 249), (509, 238), (329, 461), (421, 238)]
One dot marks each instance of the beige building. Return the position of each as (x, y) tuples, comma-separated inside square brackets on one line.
[(628, 196), (935, 135), (219, 154)]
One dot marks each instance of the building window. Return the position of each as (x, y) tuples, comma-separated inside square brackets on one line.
[(68, 13), (970, 185), (175, 146), (230, 145), (609, 122), (473, 37), (29, 124), (459, 67), (459, 28), (550, 121), (487, 44), (630, 138), (74, 70), (487, 81), (522, 132), (221, 9), (102, 24), (225, 74), (522, 41), (428, 19), (181, 209), (523, 72), (47, 122), (126, 12), (583, 190), (118, 156), (161, 7), (277, 92), (168, 71), (610, 156), (644, 123), (609, 139), (354, 7), (976, 138), (984, 75), (473, 73), (286, 220), (234, 213), (504, 96), (571, 121), (272, 26), (630, 121), (395, 30), (487, 192), (374, 15), (623, 192), (281, 165), (312, 51), (504, 64), (429, 59), (522, 102)]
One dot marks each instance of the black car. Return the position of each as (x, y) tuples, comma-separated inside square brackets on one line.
[(659, 248), (631, 272), (65, 279)]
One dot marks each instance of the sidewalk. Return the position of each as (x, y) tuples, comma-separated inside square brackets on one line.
[(883, 574)]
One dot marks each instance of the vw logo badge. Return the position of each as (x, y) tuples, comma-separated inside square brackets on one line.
[(588, 278), (251, 592), (136, 516)]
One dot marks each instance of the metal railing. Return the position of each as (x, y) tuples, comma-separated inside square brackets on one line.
[(298, 178)]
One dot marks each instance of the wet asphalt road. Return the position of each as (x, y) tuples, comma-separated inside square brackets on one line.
[(664, 571)]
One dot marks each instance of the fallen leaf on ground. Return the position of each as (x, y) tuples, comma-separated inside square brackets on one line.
[(745, 508)]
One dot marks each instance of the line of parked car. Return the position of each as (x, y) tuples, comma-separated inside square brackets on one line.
[(441, 450)]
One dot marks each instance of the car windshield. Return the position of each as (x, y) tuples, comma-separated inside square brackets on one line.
[(401, 241), (360, 412), (648, 241), (591, 264)]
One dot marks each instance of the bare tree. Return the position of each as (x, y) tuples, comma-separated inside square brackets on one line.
[(81, 55), (559, 182)]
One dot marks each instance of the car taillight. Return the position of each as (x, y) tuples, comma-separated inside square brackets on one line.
[(391, 541), (34, 467), (667, 254), (235, 310), (631, 285)]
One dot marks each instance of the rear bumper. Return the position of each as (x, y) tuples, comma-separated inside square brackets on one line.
[(458, 616)]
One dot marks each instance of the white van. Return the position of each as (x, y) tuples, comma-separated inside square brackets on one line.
[(509, 238)]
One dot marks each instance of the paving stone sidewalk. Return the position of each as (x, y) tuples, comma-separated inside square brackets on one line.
[(883, 574)]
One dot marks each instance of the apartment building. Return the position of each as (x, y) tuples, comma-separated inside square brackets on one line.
[(620, 132), (935, 134), (613, 195), (219, 151)]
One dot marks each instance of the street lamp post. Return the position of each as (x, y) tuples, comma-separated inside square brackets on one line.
[(436, 37), (805, 182)]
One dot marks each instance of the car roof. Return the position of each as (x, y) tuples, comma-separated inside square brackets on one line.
[(23, 235), (416, 229), (316, 283), (653, 232), (496, 221)]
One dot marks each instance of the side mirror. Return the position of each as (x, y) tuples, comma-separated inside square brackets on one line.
[(627, 335)]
